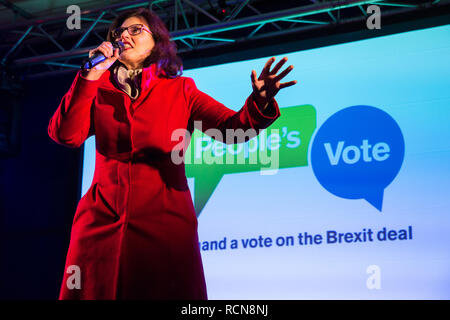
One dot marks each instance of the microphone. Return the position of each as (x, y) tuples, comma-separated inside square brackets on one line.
[(98, 57)]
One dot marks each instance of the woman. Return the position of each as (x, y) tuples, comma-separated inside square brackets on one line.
[(134, 233)]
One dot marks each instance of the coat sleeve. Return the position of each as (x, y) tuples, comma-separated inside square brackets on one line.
[(72, 123), (207, 113)]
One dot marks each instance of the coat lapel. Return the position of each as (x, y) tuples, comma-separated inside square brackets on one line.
[(149, 80)]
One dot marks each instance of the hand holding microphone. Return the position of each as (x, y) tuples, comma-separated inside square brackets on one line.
[(101, 58)]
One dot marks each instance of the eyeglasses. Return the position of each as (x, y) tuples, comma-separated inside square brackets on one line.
[(133, 30)]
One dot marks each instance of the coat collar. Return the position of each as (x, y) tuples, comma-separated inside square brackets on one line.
[(149, 79), (148, 75)]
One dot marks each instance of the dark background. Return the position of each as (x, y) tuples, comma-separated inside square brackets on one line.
[(39, 184), (38, 197)]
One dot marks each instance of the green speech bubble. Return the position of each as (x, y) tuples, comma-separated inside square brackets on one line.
[(284, 144)]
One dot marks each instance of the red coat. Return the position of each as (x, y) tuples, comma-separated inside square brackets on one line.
[(134, 233)]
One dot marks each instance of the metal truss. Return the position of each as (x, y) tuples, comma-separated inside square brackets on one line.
[(39, 46)]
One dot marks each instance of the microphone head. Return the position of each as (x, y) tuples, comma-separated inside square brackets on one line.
[(120, 45)]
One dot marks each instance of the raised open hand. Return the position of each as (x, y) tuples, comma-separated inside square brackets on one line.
[(267, 85)]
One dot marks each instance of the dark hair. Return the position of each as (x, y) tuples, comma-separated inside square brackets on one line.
[(164, 54)]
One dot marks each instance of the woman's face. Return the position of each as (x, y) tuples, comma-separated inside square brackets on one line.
[(137, 47)]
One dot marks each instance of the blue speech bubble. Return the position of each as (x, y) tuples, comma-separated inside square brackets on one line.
[(357, 153)]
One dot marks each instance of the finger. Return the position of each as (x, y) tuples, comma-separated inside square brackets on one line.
[(111, 48), (93, 51), (108, 49), (279, 65), (116, 53), (114, 57), (266, 68), (108, 45), (105, 52), (253, 76), (283, 73), (287, 84)]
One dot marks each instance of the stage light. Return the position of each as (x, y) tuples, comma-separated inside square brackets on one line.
[(223, 10)]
